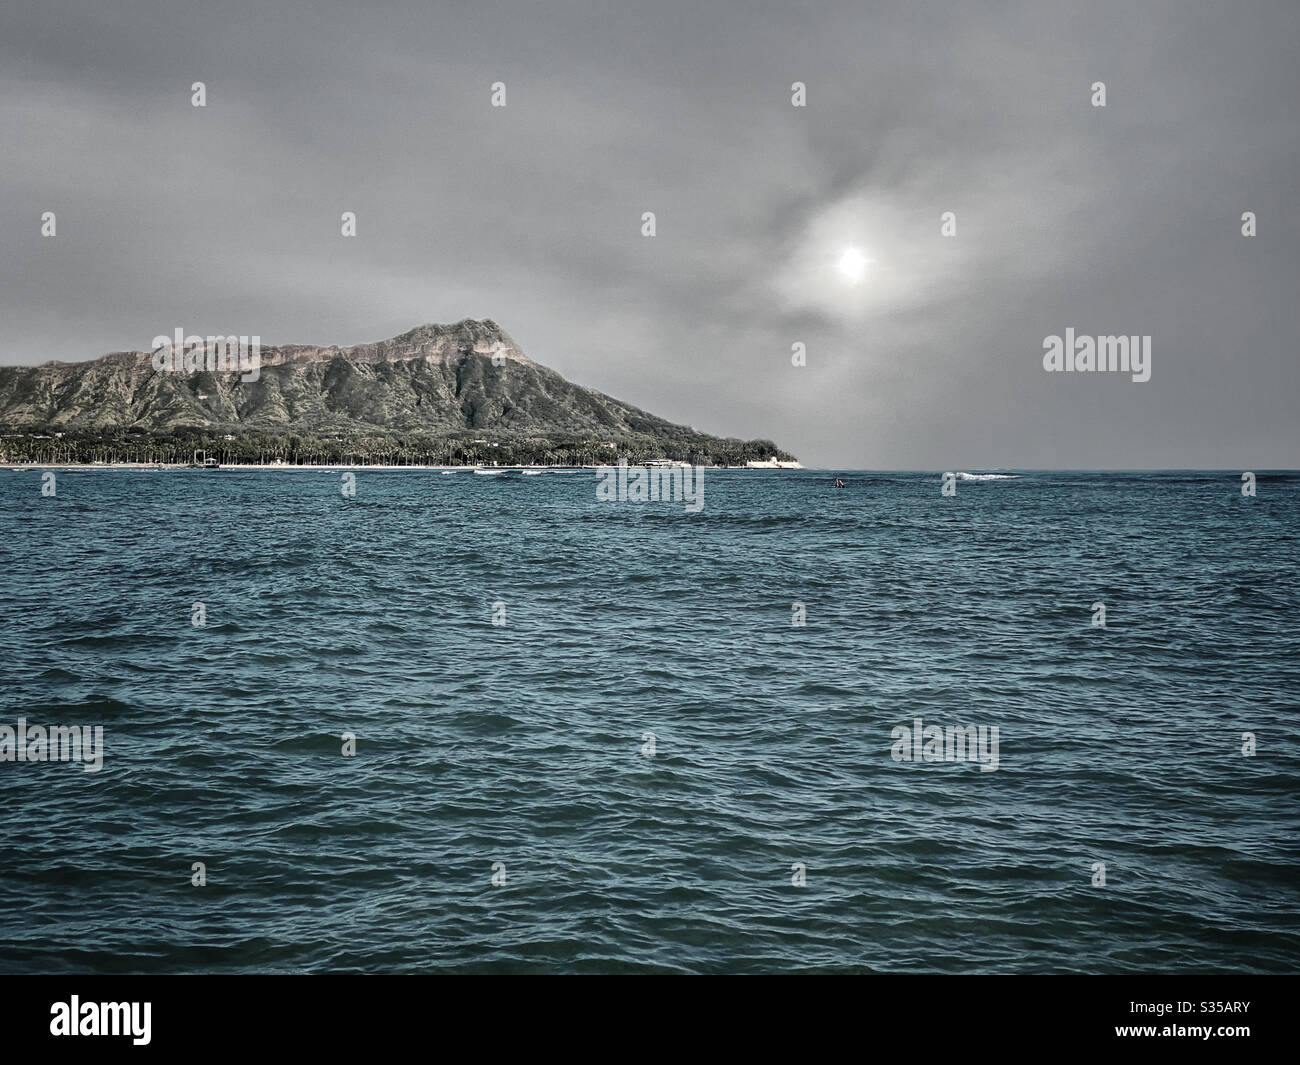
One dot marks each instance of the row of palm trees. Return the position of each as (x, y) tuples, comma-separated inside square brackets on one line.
[(295, 449)]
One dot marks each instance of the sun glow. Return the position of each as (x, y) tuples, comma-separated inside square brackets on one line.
[(853, 265)]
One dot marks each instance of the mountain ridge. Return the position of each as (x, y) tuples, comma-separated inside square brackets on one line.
[(437, 381), (432, 333)]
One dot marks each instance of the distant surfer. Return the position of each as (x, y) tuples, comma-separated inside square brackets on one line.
[(839, 483)]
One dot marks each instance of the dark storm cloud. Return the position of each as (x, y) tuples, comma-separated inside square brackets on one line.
[(1123, 219)]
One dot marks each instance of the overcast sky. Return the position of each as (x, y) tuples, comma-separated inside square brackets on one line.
[(1123, 219)]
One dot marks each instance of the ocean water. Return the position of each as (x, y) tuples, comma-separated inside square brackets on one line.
[(524, 743)]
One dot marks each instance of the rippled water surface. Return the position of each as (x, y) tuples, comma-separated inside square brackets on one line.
[(522, 743)]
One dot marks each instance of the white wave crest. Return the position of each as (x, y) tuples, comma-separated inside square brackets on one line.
[(988, 476)]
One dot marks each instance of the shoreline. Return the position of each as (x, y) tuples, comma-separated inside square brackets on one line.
[(163, 466)]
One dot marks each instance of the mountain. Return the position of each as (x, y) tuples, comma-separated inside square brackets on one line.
[(439, 386)]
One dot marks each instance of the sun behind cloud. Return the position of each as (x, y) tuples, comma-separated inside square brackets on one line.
[(865, 256), (853, 265)]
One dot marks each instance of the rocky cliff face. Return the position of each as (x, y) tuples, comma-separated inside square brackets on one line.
[(434, 379)]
